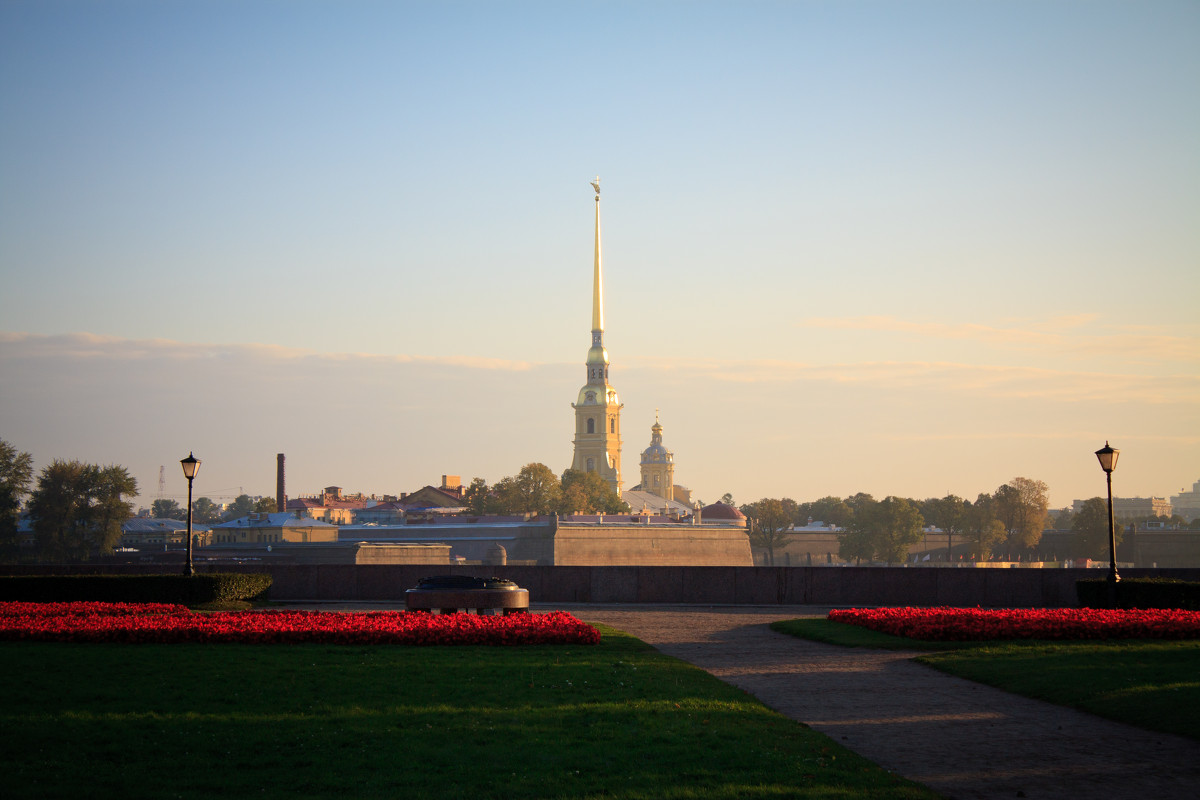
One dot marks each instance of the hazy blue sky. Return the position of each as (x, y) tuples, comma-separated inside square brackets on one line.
[(896, 247)]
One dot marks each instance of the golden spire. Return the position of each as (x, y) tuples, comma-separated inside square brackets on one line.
[(597, 283)]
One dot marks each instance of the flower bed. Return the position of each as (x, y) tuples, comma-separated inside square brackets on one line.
[(138, 623), (977, 624)]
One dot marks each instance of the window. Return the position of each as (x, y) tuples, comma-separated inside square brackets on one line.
[(591, 425), (591, 465), (612, 425)]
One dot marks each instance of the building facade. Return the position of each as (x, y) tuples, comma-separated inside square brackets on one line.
[(1187, 504), (658, 465), (597, 407)]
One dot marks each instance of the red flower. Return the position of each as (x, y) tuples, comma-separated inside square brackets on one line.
[(978, 624), (130, 622)]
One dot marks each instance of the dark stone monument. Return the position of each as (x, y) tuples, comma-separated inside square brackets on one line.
[(448, 594)]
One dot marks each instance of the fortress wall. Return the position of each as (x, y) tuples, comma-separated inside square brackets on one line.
[(651, 545)]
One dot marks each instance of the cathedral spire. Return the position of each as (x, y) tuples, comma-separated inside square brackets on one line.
[(597, 281), (597, 360), (598, 409)]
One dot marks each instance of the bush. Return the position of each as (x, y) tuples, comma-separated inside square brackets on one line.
[(1141, 593), (214, 587)]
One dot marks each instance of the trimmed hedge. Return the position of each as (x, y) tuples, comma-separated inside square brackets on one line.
[(1141, 593), (187, 590)]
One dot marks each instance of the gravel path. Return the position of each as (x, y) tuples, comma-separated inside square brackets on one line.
[(960, 738)]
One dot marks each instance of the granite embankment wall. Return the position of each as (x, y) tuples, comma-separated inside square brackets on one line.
[(822, 586)]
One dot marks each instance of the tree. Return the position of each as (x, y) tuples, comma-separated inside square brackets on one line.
[(539, 489), (857, 541), (950, 514), (588, 493), (163, 508), (882, 530), (1022, 506), (982, 527), (205, 511), (265, 505), (478, 497), (16, 473), (830, 510), (727, 499), (533, 490), (240, 507), (78, 509), (769, 520), (1090, 530), (899, 525)]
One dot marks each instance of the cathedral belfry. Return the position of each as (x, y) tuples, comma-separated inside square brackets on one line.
[(598, 409)]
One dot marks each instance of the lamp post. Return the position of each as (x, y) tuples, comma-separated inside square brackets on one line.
[(1108, 462), (190, 465)]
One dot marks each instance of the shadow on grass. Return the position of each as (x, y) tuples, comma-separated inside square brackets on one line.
[(313, 721), (1152, 684)]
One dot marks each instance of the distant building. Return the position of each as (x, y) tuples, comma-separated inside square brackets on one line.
[(142, 532), (434, 497), (1134, 507), (389, 513), (271, 528), (1187, 504), (641, 502)]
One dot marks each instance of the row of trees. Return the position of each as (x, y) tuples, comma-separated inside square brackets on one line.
[(1010, 519), (537, 490), (77, 508), (206, 512)]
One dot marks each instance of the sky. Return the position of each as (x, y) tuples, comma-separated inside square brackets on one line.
[(903, 248)]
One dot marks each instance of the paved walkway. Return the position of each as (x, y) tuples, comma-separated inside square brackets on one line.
[(960, 738)]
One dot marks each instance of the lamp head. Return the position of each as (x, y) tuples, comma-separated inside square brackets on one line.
[(1108, 457), (190, 465)]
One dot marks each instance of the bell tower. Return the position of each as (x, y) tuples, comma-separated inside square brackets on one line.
[(598, 409)]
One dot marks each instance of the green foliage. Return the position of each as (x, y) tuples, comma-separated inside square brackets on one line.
[(78, 509), (265, 505), (769, 521), (1090, 529), (588, 493), (163, 508), (830, 510), (537, 490), (205, 512), (881, 530), (618, 720), (16, 473), (187, 590), (478, 497), (949, 514), (240, 507), (1022, 505), (1140, 592), (982, 529)]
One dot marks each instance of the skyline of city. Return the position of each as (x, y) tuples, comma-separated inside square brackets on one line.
[(905, 249)]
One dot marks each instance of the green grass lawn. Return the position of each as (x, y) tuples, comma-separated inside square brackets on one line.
[(315, 721), (1153, 684)]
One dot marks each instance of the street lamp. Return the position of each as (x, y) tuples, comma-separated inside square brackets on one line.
[(190, 465), (1108, 462)]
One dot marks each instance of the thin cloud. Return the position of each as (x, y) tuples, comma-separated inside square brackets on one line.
[(93, 346), (944, 378), (1077, 335)]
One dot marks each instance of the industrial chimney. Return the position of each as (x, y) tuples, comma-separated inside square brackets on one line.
[(280, 495)]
